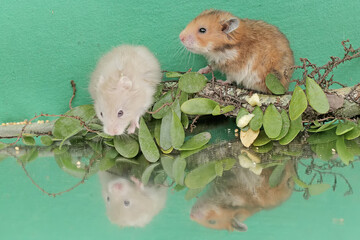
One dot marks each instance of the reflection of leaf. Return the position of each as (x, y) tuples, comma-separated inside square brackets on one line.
[(192, 82), (276, 176), (167, 164), (295, 127), (31, 155), (187, 153), (345, 155), (147, 173), (264, 148), (316, 189), (274, 84), (198, 106), (316, 96), (191, 193), (298, 103), (200, 176), (272, 122), (46, 140), (219, 169), (3, 145), (178, 170), (344, 127), (196, 141), (126, 146), (323, 137), (147, 144), (324, 150), (300, 183), (354, 133)]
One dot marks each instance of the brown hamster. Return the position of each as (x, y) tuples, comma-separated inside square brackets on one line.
[(122, 86), (245, 50), (239, 194)]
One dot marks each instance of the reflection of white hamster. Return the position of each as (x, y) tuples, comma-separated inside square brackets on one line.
[(245, 50), (128, 202), (239, 194), (123, 85)]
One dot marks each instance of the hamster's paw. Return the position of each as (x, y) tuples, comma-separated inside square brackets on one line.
[(205, 70), (133, 125), (227, 82)]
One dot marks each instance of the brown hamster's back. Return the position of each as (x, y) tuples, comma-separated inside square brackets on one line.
[(247, 54)]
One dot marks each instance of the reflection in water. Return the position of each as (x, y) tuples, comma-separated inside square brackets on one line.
[(128, 202), (238, 193)]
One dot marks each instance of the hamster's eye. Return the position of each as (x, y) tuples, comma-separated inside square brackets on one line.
[(202, 30), (101, 114), (108, 199), (211, 221), (120, 113), (126, 203)]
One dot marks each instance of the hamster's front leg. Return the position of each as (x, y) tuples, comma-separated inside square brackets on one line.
[(133, 125)]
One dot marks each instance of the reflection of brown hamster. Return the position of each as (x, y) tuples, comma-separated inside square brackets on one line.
[(122, 86), (238, 195), (245, 50), (128, 202)]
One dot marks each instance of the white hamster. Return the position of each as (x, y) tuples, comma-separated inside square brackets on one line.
[(128, 202), (122, 86)]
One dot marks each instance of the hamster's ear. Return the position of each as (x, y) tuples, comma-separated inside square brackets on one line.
[(239, 226), (230, 25), (125, 82)]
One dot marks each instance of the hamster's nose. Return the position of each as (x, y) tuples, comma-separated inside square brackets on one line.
[(182, 37)]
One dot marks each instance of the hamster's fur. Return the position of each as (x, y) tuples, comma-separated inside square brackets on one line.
[(122, 86), (128, 202), (238, 195), (245, 50)]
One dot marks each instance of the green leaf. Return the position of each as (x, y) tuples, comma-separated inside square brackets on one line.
[(127, 146), (295, 127), (272, 122), (173, 74), (184, 120), (316, 96), (285, 126), (242, 112), (274, 84), (264, 148), (327, 126), (196, 141), (276, 175), (261, 140), (354, 133), (228, 163), (95, 127), (345, 155), (30, 155), (218, 111), (3, 145), (165, 136), (167, 164), (219, 169), (157, 131), (179, 170), (147, 144), (298, 103), (176, 132), (160, 178), (192, 82), (192, 193), (257, 121), (183, 97), (201, 176), (28, 140), (344, 127), (198, 106), (126, 160), (323, 137), (316, 189), (176, 108), (65, 127), (166, 98), (46, 140), (147, 173)]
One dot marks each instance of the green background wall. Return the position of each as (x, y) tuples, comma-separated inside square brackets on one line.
[(45, 44)]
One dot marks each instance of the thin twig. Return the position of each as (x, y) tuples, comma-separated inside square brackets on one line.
[(74, 91)]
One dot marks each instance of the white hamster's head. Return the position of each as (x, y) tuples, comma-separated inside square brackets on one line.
[(116, 104), (127, 205), (210, 31), (213, 216)]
